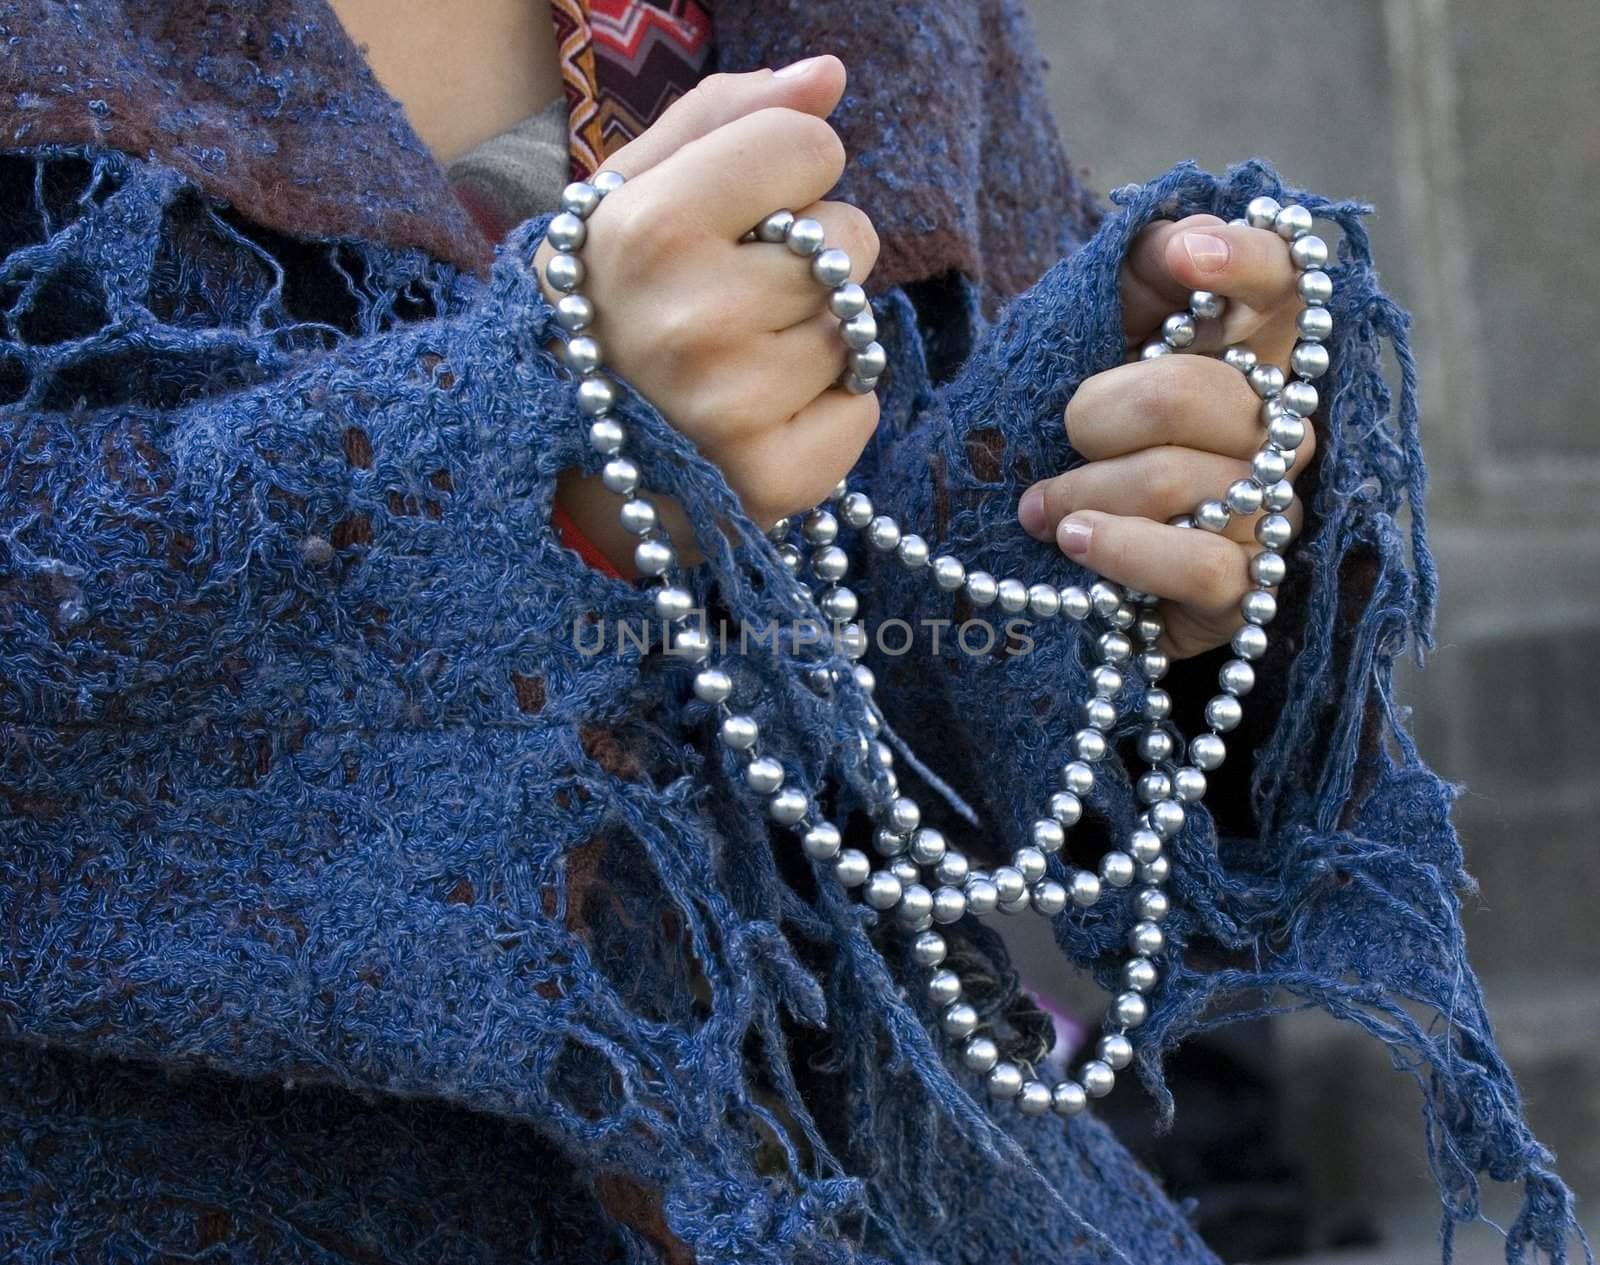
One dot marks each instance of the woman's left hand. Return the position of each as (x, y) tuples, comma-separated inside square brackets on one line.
[(1160, 436)]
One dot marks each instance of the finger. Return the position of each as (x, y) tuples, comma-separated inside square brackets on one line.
[(1154, 483), (1195, 568), (776, 288), (1170, 259), (728, 180), (1187, 401), (1149, 291), (789, 468), (813, 87)]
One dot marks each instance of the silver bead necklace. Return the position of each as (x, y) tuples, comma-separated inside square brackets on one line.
[(921, 880)]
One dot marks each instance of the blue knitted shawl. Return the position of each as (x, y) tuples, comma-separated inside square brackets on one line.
[(353, 912)]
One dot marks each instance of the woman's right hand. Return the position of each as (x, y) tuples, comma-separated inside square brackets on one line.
[(732, 341)]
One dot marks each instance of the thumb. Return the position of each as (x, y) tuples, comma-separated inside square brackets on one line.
[(812, 86)]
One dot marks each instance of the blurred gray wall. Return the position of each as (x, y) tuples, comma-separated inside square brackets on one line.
[(1474, 127)]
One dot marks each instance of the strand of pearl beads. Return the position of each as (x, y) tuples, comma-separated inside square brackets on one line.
[(913, 850)]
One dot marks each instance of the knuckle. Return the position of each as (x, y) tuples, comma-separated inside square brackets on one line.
[(1219, 575), (815, 146), (856, 228), (1081, 409), (1166, 476)]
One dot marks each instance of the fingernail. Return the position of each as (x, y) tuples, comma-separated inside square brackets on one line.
[(1030, 513), (795, 69), (1207, 252), (1073, 535)]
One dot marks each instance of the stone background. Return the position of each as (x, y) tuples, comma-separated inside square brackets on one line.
[(1474, 127)]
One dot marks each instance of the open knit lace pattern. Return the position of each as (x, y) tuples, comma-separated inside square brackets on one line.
[(352, 914)]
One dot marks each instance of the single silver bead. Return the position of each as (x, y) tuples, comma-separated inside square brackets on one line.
[(1262, 212), (1012, 596), (580, 198), (1314, 324), (787, 807), (912, 552), (857, 385), (1105, 598), (739, 732), (882, 891), (1157, 872), (1244, 497), (791, 558), (1178, 330), (1154, 351), (1287, 431), (847, 300), (1031, 862), (1240, 358), (905, 870), (1267, 568), (1155, 745), (1223, 713), (1309, 252), (1124, 617), (959, 1020), (1157, 705), (830, 563), (1068, 1098), (1004, 1081), (904, 815), (606, 436), (980, 1054), (1274, 531), (1314, 287), (1049, 898), (775, 227), (1207, 752), (1300, 398), (1152, 904), (1130, 1009), (1189, 784), (1098, 1079), (1009, 883), (948, 573), (1211, 515), (804, 237), (596, 398), (712, 685), (1075, 602), (1089, 745), (564, 272), (856, 509), (953, 869), (1258, 607), (652, 557), (1043, 601), (1279, 497), (638, 516), (1266, 380), (1107, 680), (1117, 869), (1148, 627), (981, 588), (763, 775), (1166, 819), (1236, 677), (983, 897), (1249, 642), (869, 361), (1085, 888), (620, 475), (928, 846), (1114, 647), (820, 528), (566, 232), (852, 869), (1292, 222), (1206, 305), (1146, 939), (1100, 713), (831, 267), (1034, 1098), (839, 603), (672, 603), (1309, 360), (949, 904), (1077, 777), (1066, 808), (821, 842), (883, 533), (1116, 1051), (944, 987), (860, 331), (1153, 786), (574, 312), (1047, 834), (1145, 845), (1152, 664), (605, 182), (692, 644), (1140, 975), (928, 949), (1268, 466)]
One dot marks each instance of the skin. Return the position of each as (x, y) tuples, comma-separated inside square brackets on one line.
[(737, 349)]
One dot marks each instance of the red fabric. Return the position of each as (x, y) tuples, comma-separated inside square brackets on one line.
[(580, 544)]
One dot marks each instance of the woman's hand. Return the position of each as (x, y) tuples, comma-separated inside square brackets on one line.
[(1162, 435), (732, 341)]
